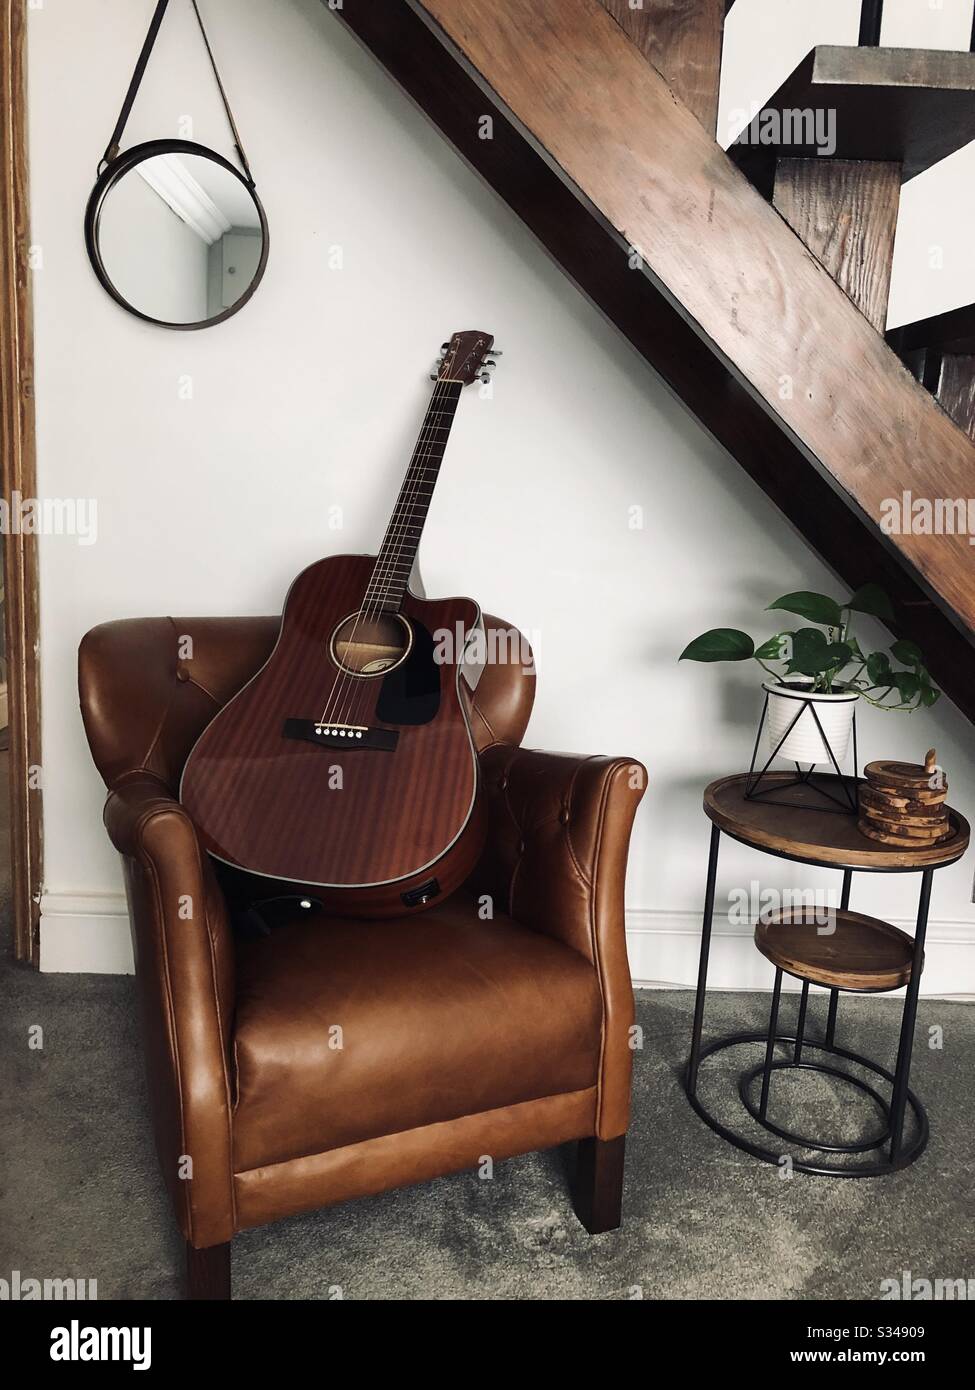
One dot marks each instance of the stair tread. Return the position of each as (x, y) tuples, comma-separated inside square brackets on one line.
[(952, 331), (914, 106)]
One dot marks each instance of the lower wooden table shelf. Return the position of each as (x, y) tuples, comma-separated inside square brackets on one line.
[(846, 952)]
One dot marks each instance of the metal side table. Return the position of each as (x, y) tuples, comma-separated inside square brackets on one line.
[(862, 955)]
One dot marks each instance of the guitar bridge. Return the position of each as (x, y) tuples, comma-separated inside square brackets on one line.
[(347, 736)]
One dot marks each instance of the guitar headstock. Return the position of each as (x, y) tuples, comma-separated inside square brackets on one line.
[(465, 358)]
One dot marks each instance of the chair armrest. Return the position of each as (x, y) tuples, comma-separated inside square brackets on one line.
[(185, 971), (558, 838)]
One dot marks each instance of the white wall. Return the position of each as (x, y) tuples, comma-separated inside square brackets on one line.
[(211, 505)]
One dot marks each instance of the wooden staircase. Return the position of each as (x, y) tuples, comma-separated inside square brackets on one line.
[(897, 112), (940, 351), (763, 321)]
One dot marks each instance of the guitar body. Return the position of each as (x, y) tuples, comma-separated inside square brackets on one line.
[(346, 765)]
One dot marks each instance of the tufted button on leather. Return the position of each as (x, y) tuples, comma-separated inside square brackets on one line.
[(182, 674), (564, 815), (503, 784), (521, 846)]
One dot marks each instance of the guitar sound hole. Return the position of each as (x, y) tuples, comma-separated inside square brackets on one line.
[(371, 645)]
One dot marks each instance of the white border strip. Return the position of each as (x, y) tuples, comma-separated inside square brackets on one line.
[(88, 933), (664, 948)]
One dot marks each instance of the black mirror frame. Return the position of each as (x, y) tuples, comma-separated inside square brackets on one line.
[(107, 180)]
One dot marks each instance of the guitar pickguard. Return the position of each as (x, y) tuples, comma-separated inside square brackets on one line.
[(411, 693)]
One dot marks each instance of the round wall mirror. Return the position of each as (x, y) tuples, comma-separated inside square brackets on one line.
[(176, 235)]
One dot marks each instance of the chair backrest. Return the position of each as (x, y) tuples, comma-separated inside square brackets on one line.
[(149, 686)]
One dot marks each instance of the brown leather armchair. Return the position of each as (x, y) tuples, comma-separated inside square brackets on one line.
[(336, 1058)]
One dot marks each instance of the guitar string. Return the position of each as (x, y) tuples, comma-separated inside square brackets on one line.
[(355, 687), (397, 544), (403, 520), (343, 678)]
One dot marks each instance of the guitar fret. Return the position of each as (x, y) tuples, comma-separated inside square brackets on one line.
[(394, 564)]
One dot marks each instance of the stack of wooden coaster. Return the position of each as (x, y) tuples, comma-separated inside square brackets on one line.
[(904, 803)]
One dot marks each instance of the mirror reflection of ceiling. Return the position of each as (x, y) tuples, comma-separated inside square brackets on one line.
[(206, 196), (180, 237)]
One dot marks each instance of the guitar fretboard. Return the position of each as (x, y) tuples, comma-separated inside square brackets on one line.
[(394, 564)]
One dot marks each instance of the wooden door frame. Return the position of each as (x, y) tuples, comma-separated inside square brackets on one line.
[(19, 476)]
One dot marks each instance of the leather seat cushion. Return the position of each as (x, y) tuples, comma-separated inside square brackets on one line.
[(441, 1015)]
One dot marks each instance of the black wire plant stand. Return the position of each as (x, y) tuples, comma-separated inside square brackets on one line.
[(846, 802)]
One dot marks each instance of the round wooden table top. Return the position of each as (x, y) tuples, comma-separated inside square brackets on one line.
[(797, 830), (850, 952)]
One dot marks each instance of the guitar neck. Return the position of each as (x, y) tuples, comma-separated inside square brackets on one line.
[(391, 574)]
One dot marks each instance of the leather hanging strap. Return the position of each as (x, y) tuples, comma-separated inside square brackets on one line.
[(223, 97), (114, 143)]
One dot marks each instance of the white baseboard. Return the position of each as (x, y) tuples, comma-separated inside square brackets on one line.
[(664, 948), (86, 933), (89, 933)]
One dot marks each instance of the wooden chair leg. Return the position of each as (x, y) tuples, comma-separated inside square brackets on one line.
[(598, 1191), (208, 1272)]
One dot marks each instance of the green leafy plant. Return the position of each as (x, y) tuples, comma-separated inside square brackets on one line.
[(824, 652)]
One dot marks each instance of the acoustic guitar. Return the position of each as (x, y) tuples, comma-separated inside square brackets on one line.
[(347, 764)]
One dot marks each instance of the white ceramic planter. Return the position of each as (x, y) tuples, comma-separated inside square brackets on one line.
[(805, 744)]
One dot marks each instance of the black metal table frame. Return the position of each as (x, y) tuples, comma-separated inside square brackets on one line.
[(894, 1112)]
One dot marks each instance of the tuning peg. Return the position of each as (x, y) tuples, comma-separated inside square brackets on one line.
[(497, 352), (490, 364), (444, 347)]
